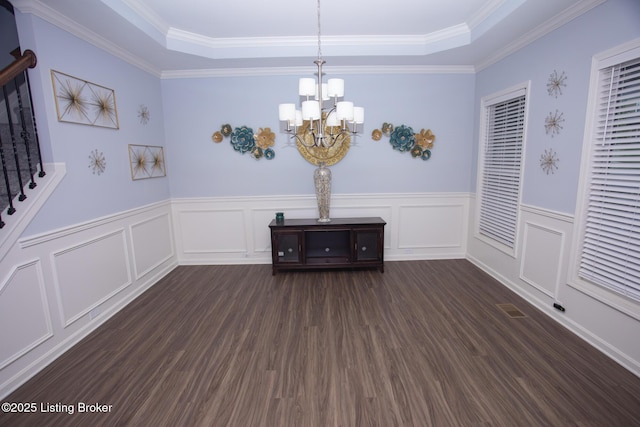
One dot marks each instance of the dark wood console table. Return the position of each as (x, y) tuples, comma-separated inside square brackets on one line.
[(298, 244)]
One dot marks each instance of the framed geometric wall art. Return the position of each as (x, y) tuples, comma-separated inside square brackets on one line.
[(147, 161), (83, 102)]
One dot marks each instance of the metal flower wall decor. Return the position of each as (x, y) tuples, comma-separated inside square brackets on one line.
[(244, 140), (402, 138)]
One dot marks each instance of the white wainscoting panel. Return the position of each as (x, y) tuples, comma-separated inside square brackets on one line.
[(153, 244), (231, 230), (89, 273), (213, 231), (235, 230), (432, 226), (65, 283), (542, 251), (538, 268), (24, 312), (539, 273)]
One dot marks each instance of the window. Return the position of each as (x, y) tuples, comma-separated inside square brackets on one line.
[(500, 167), (609, 208)]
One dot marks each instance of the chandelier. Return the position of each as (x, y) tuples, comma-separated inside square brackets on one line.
[(323, 119)]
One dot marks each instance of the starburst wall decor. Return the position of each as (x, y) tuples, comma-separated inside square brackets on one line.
[(97, 162), (549, 161), (144, 115), (147, 161), (555, 83), (83, 102), (553, 123)]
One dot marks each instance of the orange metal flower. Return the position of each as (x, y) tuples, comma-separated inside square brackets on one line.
[(425, 138), (265, 138)]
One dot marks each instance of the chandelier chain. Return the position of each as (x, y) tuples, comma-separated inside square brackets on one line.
[(319, 42)]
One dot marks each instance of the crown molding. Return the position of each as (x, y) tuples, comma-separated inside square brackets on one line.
[(176, 39), (297, 71), (556, 22), (282, 47), (179, 40), (139, 15), (55, 18), (48, 14), (490, 15)]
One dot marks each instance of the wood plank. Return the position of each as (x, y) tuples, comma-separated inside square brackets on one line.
[(424, 344)]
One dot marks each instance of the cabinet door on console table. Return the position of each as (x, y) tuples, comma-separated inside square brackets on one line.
[(342, 243), (287, 247), (368, 246)]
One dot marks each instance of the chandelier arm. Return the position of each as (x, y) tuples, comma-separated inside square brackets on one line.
[(302, 140), (293, 135), (343, 132)]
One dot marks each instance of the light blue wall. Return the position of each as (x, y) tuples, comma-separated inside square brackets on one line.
[(83, 195), (195, 108), (568, 49), (185, 112)]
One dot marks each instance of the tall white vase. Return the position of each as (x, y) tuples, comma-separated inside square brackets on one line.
[(322, 180)]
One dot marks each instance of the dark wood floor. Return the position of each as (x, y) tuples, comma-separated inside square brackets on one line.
[(423, 344)]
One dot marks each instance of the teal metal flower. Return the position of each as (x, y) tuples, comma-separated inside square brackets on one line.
[(426, 154), (242, 139), (402, 138), (269, 154)]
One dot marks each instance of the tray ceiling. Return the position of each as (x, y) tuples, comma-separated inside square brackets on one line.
[(168, 36)]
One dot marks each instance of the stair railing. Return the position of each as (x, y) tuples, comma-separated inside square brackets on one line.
[(20, 155)]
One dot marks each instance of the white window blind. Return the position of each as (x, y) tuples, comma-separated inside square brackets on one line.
[(501, 170), (610, 254)]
